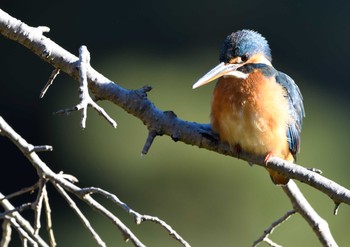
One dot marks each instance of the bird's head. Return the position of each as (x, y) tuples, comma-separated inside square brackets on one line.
[(239, 48)]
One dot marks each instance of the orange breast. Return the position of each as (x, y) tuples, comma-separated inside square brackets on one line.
[(252, 113)]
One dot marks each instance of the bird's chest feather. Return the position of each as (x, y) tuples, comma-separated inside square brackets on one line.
[(252, 113)]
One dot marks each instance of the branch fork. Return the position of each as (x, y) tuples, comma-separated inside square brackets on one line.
[(157, 121), (85, 99)]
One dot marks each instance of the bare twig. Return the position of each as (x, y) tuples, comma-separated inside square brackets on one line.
[(81, 216), (52, 77), (85, 99), (49, 220), (151, 135), (62, 184), (84, 60), (43, 29), (271, 243), (138, 217), (20, 224), (301, 205), (37, 206), (136, 102), (29, 189), (25, 237), (167, 227), (270, 229), (42, 148), (20, 209), (336, 208), (69, 177), (6, 233)]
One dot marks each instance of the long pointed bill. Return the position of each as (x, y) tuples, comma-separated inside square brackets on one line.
[(218, 71)]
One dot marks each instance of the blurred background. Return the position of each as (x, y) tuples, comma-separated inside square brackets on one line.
[(209, 199)]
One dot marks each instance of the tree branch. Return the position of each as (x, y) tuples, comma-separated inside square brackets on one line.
[(21, 224), (160, 122), (274, 225), (6, 233), (81, 216), (301, 205), (62, 184), (136, 103)]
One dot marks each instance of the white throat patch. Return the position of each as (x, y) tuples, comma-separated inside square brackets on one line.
[(237, 74)]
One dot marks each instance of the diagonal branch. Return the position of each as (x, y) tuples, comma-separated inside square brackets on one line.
[(274, 225), (301, 205), (138, 217), (136, 103), (21, 224), (6, 233), (49, 229), (52, 77), (62, 184), (85, 99), (159, 122), (81, 216)]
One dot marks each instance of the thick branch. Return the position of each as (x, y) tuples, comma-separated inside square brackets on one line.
[(301, 205), (136, 102)]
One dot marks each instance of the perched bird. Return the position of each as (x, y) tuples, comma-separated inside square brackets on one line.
[(255, 107)]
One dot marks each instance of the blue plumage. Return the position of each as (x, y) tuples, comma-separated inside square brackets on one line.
[(254, 106), (246, 43), (296, 110)]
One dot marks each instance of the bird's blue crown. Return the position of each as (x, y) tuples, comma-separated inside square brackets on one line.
[(244, 43)]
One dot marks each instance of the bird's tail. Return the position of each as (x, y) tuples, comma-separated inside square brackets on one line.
[(277, 178)]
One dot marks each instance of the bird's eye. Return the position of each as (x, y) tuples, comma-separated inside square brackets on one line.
[(244, 58)]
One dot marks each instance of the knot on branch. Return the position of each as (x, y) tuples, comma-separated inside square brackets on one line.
[(142, 92), (156, 129)]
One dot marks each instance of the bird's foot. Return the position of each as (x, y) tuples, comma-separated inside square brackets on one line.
[(267, 157)]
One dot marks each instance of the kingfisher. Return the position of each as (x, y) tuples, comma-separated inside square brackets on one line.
[(255, 107)]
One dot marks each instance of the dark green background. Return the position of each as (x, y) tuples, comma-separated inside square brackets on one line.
[(211, 200)]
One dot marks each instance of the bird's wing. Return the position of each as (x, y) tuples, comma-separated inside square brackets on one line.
[(296, 110)]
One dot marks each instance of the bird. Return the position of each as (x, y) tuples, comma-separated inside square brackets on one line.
[(255, 107)]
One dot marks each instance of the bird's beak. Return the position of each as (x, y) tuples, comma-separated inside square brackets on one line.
[(218, 71)]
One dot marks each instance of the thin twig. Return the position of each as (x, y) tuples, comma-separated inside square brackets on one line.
[(150, 138), (81, 216), (336, 208), (42, 148), (138, 217), (85, 99), (167, 227), (37, 206), (84, 62), (271, 243), (29, 189), (140, 106), (272, 227), (188, 132), (52, 77), (127, 233), (23, 233), (6, 233), (20, 209), (69, 177), (21, 224), (49, 228), (44, 171)]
